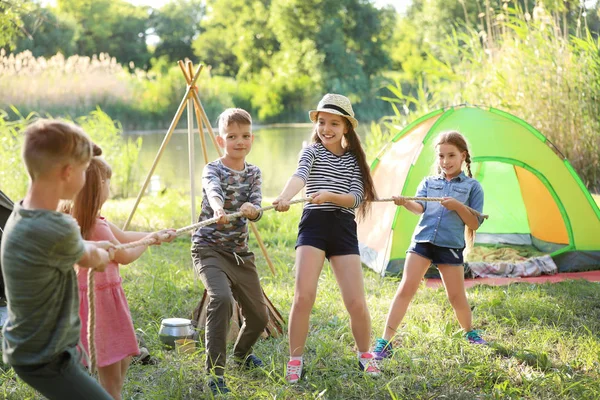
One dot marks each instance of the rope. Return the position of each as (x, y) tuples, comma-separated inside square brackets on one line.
[(181, 231), (195, 226), (473, 211), (91, 322)]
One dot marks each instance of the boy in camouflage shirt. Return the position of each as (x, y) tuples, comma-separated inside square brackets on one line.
[(220, 251)]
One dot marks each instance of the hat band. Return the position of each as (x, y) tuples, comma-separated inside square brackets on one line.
[(337, 108)]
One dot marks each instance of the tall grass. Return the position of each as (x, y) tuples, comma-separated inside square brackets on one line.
[(77, 85), (524, 65)]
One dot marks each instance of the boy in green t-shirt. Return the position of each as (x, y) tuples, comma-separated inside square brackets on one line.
[(39, 249)]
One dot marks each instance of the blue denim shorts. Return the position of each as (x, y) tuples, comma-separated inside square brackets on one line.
[(334, 232), (438, 255)]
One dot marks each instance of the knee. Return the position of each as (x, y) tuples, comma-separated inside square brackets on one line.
[(304, 301), (407, 290), (457, 299), (221, 301), (357, 307)]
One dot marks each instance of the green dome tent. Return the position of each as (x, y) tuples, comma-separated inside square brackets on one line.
[(532, 193)]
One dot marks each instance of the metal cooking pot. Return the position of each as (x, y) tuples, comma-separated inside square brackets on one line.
[(172, 329)]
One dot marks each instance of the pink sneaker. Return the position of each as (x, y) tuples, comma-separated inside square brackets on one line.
[(368, 363), (293, 371)]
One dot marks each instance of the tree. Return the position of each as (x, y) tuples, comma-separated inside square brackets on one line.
[(11, 13), (111, 26), (235, 38), (177, 24), (350, 36), (47, 33)]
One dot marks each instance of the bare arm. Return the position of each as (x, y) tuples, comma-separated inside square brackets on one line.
[(126, 236), (95, 255), (127, 256), (347, 200), (463, 212), (292, 187), (468, 217), (410, 205)]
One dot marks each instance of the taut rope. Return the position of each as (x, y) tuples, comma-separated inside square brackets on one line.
[(179, 232)]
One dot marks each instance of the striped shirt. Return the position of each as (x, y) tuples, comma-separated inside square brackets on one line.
[(320, 169)]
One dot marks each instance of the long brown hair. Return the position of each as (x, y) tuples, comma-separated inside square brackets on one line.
[(454, 138), (351, 142), (87, 203)]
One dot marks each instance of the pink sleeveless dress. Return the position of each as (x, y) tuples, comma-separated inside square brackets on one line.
[(114, 334)]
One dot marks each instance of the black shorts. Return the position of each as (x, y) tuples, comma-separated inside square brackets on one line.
[(334, 232), (438, 255)]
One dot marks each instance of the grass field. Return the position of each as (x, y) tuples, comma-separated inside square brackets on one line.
[(545, 337)]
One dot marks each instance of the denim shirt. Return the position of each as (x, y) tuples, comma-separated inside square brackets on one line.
[(438, 225)]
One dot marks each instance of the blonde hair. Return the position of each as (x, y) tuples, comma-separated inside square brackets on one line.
[(86, 205), (454, 138), (51, 143), (233, 116)]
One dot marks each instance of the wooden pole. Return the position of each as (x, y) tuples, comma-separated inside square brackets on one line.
[(191, 157), (174, 122)]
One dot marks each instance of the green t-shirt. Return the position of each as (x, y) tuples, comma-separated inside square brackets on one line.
[(39, 249)]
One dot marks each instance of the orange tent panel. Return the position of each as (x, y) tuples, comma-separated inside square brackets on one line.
[(545, 221)]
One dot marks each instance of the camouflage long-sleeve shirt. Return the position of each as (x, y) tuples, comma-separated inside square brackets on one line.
[(233, 188)]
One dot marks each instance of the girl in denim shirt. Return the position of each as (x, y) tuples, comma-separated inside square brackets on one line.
[(440, 236)]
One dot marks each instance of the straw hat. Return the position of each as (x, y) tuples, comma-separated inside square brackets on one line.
[(335, 104)]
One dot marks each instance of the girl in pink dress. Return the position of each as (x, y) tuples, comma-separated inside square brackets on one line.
[(114, 334)]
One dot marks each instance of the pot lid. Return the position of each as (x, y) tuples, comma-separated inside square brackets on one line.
[(176, 322)]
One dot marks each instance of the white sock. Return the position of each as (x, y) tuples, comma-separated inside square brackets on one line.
[(299, 358), (360, 353)]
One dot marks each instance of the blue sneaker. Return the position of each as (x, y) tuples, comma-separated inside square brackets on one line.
[(217, 386), (474, 338), (383, 349), (251, 362)]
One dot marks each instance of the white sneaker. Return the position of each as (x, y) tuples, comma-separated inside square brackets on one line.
[(293, 371), (369, 363)]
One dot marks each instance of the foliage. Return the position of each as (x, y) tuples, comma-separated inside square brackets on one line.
[(528, 69), (296, 50), (110, 26), (47, 32), (13, 176), (11, 15), (177, 24), (121, 153)]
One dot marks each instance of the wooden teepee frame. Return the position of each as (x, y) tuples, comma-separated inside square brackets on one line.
[(191, 99)]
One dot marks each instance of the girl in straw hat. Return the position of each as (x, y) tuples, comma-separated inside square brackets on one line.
[(337, 179)]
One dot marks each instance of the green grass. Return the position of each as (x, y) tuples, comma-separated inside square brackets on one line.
[(546, 336)]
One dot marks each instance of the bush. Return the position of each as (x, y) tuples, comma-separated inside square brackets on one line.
[(121, 153), (529, 70)]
